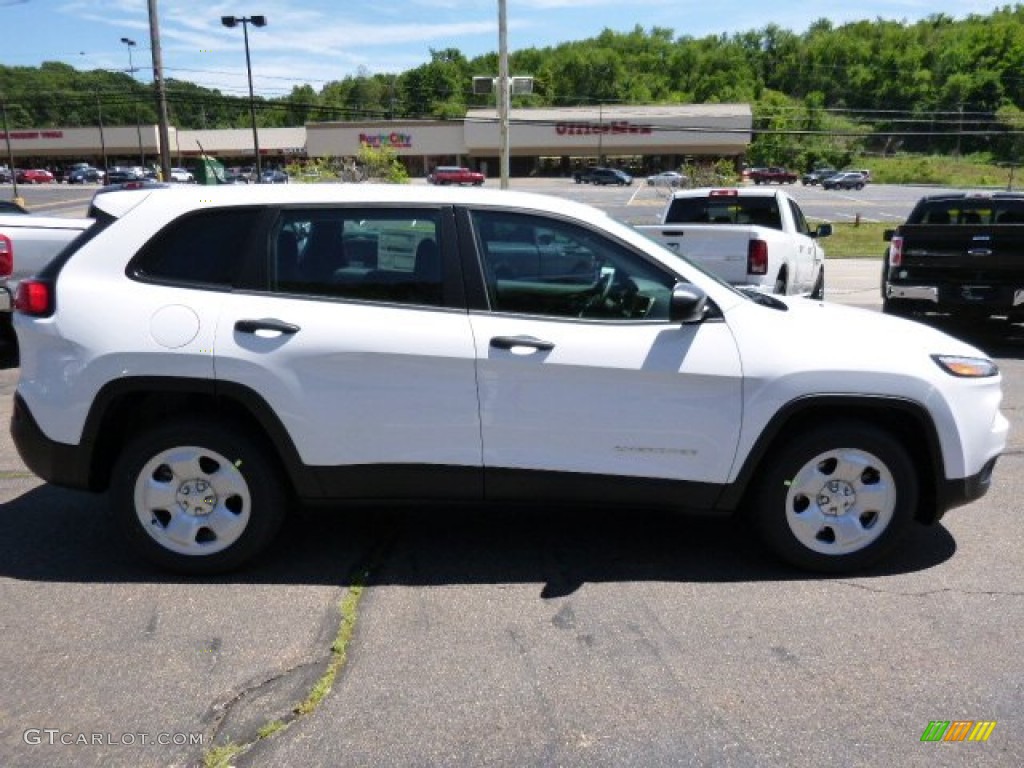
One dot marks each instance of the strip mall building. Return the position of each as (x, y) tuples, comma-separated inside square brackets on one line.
[(541, 141)]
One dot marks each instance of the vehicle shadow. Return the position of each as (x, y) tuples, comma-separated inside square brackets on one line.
[(8, 353), (996, 336), (50, 534)]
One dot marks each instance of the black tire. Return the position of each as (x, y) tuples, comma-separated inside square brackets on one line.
[(236, 491), (835, 498), (896, 308), (781, 283), (818, 291)]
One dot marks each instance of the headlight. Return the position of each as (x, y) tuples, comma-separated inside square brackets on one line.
[(966, 367)]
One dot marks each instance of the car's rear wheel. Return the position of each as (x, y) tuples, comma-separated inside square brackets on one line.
[(197, 496), (836, 497)]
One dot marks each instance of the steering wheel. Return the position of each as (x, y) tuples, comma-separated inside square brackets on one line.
[(602, 291)]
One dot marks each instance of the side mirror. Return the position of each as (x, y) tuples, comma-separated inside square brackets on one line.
[(688, 304), (887, 235), (824, 230)]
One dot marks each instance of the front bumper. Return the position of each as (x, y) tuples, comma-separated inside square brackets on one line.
[(964, 490)]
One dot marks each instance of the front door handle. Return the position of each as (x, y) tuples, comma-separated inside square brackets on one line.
[(508, 342), (266, 324)]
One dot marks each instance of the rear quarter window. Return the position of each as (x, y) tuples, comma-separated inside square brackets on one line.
[(210, 247)]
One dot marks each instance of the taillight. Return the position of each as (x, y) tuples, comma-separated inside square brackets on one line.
[(6, 256), (34, 297), (896, 251), (757, 258)]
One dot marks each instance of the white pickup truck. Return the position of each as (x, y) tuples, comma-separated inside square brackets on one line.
[(755, 238), (27, 244)]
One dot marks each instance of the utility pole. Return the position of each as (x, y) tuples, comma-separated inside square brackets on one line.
[(10, 155), (161, 91)]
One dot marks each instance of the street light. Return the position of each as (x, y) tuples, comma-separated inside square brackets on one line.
[(245, 21), (131, 73)]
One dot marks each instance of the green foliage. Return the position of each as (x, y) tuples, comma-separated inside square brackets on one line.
[(382, 164), (855, 241)]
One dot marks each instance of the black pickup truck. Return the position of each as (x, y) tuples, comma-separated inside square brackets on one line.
[(959, 254)]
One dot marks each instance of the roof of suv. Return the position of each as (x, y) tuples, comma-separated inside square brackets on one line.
[(186, 197)]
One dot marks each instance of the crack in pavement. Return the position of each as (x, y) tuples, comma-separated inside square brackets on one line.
[(931, 592)]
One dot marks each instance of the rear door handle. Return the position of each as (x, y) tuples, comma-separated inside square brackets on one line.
[(266, 324), (508, 342), (979, 252)]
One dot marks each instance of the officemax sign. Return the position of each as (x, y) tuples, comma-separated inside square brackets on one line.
[(612, 127)]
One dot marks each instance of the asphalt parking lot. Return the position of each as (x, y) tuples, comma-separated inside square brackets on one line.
[(515, 637)]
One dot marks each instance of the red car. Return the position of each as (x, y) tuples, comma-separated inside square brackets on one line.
[(453, 174), (35, 176)]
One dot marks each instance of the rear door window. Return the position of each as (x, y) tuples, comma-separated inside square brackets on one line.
[(387, 255)]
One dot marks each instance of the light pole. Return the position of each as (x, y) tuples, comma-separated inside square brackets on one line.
[(131, 73), (504, 95), (245, 21)]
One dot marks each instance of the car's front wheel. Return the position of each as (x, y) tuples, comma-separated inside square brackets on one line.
[(197, 496), (836, 497)]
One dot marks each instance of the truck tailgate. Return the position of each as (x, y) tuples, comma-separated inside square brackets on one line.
[(719, 248), (980, 254)]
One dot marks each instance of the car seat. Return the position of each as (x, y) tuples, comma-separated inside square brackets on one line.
[(427, 271)]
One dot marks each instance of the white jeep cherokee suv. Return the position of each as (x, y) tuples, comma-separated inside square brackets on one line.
[(209, 356)]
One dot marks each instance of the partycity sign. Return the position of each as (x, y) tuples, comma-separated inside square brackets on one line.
[(394, 140)]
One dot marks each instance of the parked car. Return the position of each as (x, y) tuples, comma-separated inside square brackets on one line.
[(602, 176), (182, 176), (454, 174), (336, 343), (667, 179), (34, 176), (845, 180), (273, 176), (817, 176), (772, 175), (83, 175), (121, 173)]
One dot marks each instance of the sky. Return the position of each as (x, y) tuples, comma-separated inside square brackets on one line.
[(317, 41)]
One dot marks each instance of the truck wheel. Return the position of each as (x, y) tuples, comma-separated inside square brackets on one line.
[(196, 496), (781, 287), (836, 498), (818, 291), (896, 308)]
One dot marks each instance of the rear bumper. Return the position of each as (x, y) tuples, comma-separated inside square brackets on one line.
[(57, 463), (980, 297)]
